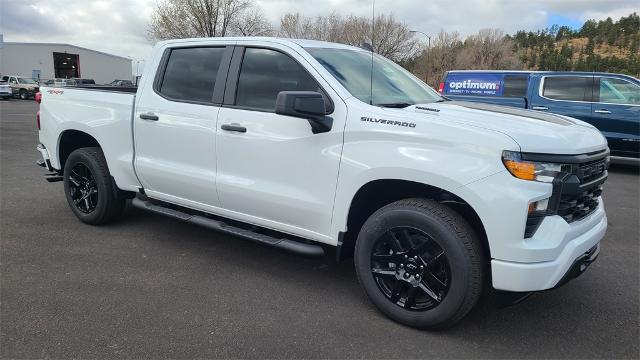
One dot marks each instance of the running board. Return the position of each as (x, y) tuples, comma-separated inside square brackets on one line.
[(53, 177), (281, 243)]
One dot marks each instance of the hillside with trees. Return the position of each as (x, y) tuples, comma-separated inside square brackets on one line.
[(605, 45)]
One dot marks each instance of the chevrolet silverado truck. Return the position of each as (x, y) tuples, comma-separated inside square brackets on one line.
[(308, 146)]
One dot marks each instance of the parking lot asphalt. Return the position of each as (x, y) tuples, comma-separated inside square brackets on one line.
[(152, 287)]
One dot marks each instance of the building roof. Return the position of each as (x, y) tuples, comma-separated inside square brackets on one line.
[(62, 44)]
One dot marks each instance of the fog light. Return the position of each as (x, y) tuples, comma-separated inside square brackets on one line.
[(536, 213), (538, 206)]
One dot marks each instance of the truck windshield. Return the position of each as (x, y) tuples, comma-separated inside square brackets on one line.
[(393, 86)]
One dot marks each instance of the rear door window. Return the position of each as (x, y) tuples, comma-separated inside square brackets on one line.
[(190, 74), (571, 88), (515, 85)]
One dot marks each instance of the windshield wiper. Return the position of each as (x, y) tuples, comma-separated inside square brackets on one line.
[(398, 105)]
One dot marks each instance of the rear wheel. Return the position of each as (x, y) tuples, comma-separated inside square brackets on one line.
[(420, 263), (89, 188)]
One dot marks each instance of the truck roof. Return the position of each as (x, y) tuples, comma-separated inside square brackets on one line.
[(536, 72), (288, 41)]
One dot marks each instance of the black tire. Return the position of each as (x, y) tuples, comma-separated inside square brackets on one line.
[(87, 177), (452, 280), (24, 95)]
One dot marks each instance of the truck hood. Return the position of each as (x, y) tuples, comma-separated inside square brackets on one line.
[(534, 131)]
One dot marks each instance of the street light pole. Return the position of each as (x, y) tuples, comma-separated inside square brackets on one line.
[(426, 76)]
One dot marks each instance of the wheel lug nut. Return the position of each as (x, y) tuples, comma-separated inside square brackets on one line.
[(415, 257), (417, 276), (406, 275), (421, 267), (406, 257), (401, 266)]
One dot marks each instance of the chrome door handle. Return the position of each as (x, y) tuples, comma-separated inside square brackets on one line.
[(602, 111), (540, 108), (149, 116)]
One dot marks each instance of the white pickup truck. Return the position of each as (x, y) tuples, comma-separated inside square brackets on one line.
[(306, 145)]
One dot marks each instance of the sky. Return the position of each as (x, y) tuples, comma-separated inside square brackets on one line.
[(120, 26)]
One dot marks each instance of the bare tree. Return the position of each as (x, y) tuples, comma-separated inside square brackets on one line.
[(393, 39), (488, 49), (325, 28), (388, 37), (253, 23), (195, 18)]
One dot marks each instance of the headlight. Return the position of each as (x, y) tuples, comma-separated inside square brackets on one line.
[(530, 170)]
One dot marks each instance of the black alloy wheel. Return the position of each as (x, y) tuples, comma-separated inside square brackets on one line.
[(420, 263), (83, 188), (410, 268), (91, 192)]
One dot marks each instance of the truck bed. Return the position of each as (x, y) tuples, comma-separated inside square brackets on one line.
[(103, 113)]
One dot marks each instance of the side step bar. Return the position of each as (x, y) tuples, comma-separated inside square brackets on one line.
[(281, 243)]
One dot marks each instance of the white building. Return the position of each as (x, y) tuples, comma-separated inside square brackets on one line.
[(47, 61)]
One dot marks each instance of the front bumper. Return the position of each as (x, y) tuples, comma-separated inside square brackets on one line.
[(575, 257)]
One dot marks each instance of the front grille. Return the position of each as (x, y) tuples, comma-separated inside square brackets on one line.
[(575, 191), (575, 207), (579, 201), (590, 171), (581, 189)]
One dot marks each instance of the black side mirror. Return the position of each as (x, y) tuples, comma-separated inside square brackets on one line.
[(308, 105)]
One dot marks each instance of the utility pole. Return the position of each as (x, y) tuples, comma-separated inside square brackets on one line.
[(426, 76)]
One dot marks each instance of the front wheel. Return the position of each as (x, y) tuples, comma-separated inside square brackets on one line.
[(420, 263), (23, 94), (89, 188)]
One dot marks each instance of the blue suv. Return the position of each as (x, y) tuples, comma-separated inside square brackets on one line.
[(610, 102)]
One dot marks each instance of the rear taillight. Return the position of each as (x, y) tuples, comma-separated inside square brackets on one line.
[(38, 119), (441, 88), (38, 97)]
